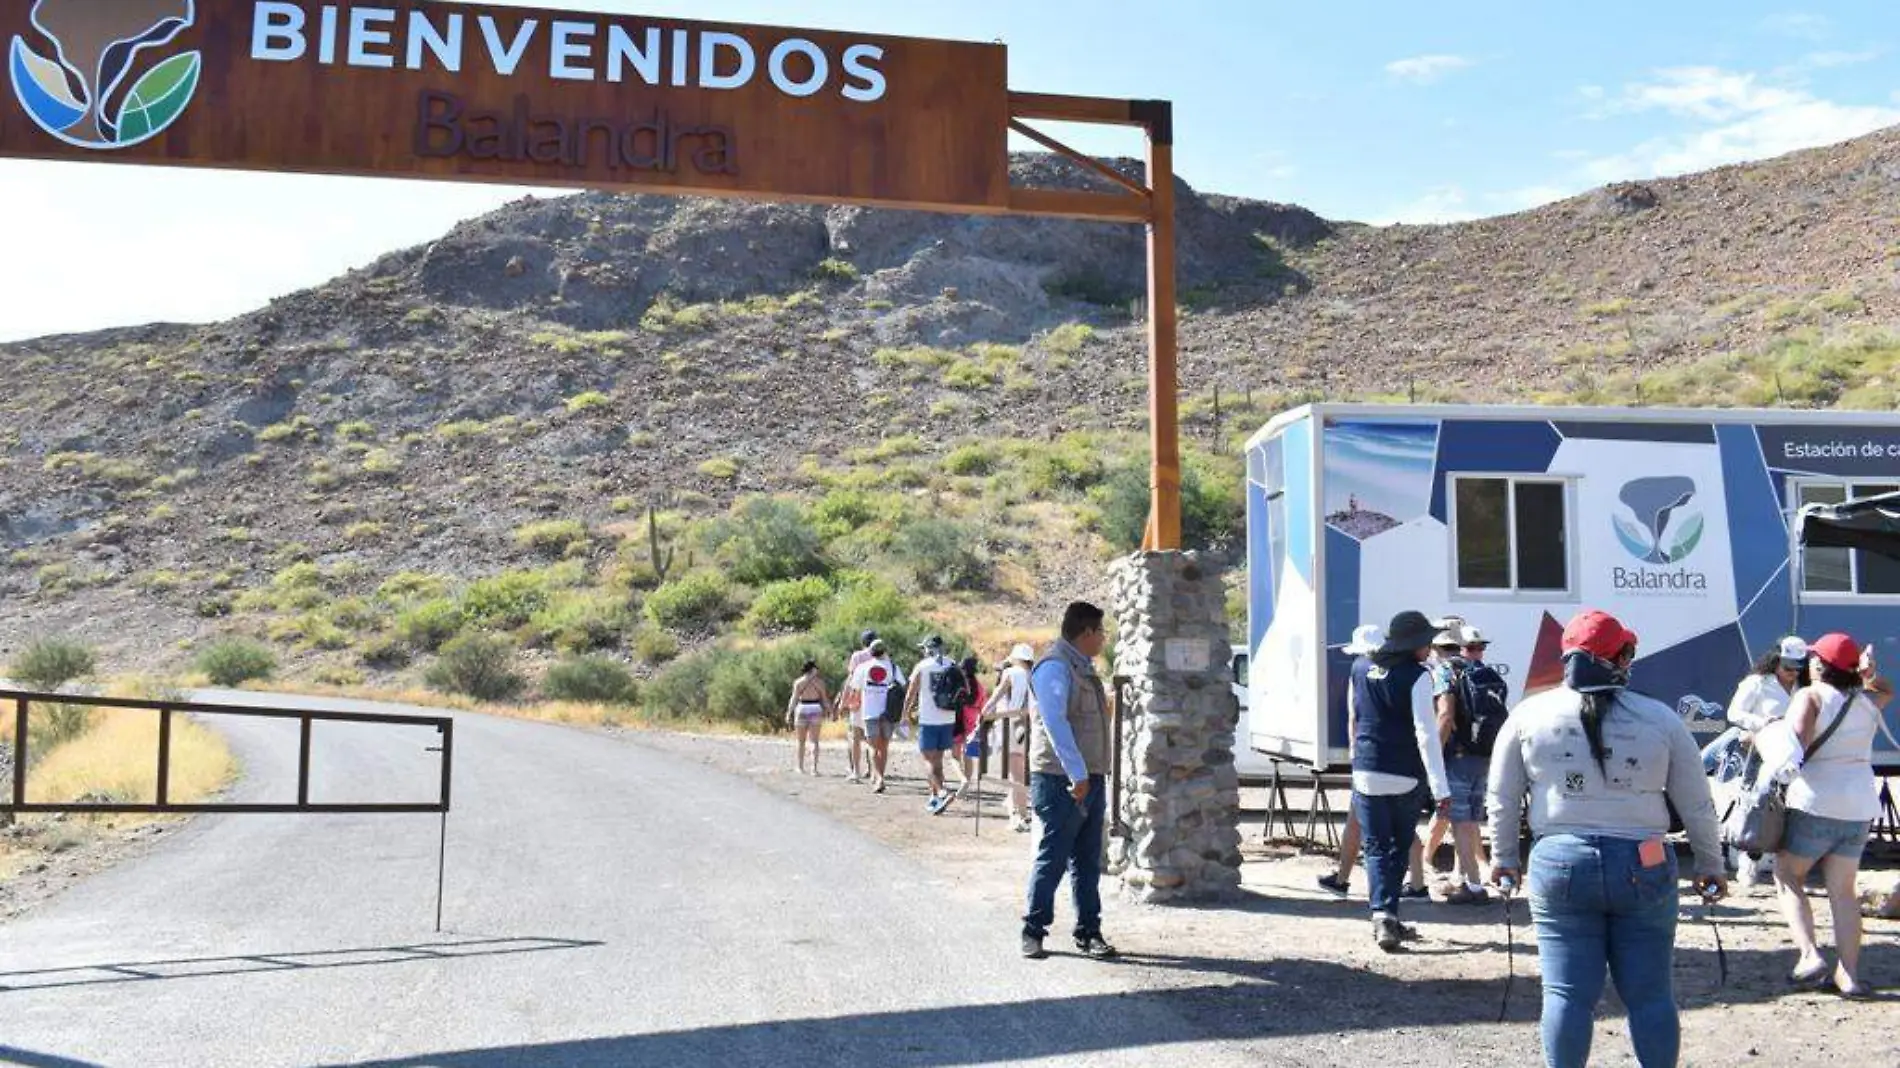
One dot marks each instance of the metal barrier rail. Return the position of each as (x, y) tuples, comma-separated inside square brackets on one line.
[(23, 702)]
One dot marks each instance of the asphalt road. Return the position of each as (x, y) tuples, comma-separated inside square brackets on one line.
[(607, 904)]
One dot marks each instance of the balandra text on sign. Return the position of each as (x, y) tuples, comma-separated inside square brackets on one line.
[(568, 49)]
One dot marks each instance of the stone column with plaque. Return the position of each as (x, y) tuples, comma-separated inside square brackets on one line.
[(1178, 811)]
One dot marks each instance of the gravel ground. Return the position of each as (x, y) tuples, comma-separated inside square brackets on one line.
[(1292, 971)]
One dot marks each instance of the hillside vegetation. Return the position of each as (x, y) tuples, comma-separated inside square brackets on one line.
[(607, 435)]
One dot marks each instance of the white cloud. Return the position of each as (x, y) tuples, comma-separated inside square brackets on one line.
[(1531, 196), (1444, 204), (1828, 60), (1737, 117), (1424, 70)]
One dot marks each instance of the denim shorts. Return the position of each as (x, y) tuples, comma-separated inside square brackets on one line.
[(938, 738), (1467, 775), (879, 729), (1812, 837)]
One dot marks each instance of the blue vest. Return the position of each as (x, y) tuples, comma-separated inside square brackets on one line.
[(1387, 739)]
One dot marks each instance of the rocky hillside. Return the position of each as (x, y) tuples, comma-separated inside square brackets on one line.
[(582, 358)]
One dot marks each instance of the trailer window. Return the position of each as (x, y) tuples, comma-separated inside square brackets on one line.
[(1512, 534), (1845, 571)]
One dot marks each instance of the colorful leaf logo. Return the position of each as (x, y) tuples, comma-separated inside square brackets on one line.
[(1687, 540), (74, 85)]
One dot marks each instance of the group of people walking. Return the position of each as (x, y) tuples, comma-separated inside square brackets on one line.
[(1604, 774), (1055, 712)]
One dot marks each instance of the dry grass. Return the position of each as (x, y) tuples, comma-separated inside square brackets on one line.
[(117, 759), (570, 713)]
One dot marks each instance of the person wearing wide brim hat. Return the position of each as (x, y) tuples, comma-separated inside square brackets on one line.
[(1601, 824), (1396, 753), (1010, 706), (1367, 638)]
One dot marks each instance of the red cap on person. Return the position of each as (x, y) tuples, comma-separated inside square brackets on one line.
[(1599, 634), (1837, 651)]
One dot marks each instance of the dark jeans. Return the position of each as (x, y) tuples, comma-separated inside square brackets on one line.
[(1388, 825), (1071, 841), (1599, 910)]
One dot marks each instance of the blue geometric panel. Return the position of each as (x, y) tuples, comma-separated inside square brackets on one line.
[(1302, 497), (1671, 433), (1261, 594), (1708, 666), (1341, 608), (1341, 591), (1504, 447), (1758, 535), (1771, 617)]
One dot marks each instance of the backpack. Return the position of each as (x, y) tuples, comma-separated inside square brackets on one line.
[(894, 700), (948, 688), (1484, 703)]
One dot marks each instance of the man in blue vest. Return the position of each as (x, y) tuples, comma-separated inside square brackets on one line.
[(1396, 755)]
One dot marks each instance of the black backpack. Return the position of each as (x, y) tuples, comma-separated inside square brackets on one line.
[(1484, 703), (949, 689)]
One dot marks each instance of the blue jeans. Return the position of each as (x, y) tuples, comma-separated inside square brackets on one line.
[(1598, 909), (1388, 825), (1071, 841)]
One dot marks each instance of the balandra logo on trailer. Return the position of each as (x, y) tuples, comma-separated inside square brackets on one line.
[(81, 79), (1663, 533)]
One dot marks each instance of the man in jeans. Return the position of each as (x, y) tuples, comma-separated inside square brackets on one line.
[(1068, 756), (1395, 752)]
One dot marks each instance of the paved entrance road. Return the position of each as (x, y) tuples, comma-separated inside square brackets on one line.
[(607, 905)]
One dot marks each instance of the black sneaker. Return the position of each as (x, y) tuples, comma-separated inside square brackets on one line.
[(1095, 947), (1032, 948), (1333, 884), (1415, 893)]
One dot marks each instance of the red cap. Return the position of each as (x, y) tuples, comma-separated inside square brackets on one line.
[(1599, 634), (1837, 651)]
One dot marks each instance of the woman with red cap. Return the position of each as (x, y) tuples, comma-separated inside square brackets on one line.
[(1602, 766), (1832, 801)]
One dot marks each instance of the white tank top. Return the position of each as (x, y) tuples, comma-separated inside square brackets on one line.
[(1838, 783)]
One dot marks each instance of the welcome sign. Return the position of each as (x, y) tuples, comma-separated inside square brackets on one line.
[(504, 94)]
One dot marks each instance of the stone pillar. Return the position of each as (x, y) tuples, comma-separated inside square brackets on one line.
[(1180, 797)]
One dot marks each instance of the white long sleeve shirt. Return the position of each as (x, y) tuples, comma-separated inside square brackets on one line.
[(1653, 761)]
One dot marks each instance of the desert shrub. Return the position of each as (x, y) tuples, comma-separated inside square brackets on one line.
[(588, 401), (385, 652), (722, 468), (832, 269), (505, 601), (655, 646), (577, 621), (766, 539), (943, 555), (477, 665), (412, 586), (790, 605), (845, 511), (695, 604), (595, 679), (1213, 513), (1068, 339), (50, 663), (1073, 464), (427, 625), (381, 462), (679, 692), (236, 661), (976, 459), (552, 537)]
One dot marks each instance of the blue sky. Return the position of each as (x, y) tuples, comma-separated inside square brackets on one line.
[(1376, 110)]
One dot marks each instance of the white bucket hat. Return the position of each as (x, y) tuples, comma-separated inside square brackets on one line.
[(1794, 653), (1023, 653), (1366, 640)]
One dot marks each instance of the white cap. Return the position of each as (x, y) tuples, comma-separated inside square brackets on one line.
[(1474, 636), (1366, 640), (1794, 650), (1023, 653)]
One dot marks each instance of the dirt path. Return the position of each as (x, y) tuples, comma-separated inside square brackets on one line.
[(1297, 968)]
